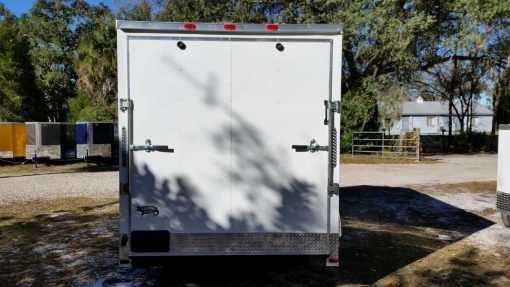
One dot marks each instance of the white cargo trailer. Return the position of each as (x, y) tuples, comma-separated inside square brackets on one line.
[(503, 189), (228, 136)]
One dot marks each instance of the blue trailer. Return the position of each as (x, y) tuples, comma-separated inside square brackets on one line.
[(96, 140)]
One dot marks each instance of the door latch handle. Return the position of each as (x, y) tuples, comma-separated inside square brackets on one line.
[(326, 112), (300, 148), (148, 147), (312, 147)]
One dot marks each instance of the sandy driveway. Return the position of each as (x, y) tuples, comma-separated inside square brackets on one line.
[(448, 169), (402, 226)]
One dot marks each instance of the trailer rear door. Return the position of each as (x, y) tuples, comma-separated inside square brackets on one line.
[(231, 110)]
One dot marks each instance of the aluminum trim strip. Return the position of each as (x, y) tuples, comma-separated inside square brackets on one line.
[(216, 28), (195, 244), (191, 38), (293, 252)]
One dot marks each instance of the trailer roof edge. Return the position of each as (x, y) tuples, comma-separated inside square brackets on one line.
[(217, 28)]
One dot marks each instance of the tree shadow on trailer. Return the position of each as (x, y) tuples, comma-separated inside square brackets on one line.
[(181, 197), (260, 167)]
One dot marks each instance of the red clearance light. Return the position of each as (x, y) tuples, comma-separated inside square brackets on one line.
[(229, 26), (272, 27), (189, 26), (334, 260)]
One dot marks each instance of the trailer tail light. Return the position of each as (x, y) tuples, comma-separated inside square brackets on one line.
[(189, 26), (272, 27), (334, 260), (229, 26)]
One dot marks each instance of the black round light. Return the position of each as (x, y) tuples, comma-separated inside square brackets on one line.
[(181, 45), (280, 47)]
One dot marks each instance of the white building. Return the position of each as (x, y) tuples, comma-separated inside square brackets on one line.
[(432, 116)]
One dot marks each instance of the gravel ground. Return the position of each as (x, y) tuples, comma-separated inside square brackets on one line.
[(448, 169), (55, 185), (407, 213)]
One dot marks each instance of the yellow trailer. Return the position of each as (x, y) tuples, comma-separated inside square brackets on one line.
[(12, 140)]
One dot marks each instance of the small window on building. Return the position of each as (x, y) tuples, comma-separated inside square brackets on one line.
[(431, 121)]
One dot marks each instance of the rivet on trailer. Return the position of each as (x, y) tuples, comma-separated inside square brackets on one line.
[(228, 139)]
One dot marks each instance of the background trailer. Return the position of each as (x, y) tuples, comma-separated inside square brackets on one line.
[(50, 140), (229, 139), (503, 189), (12, 140), (96, 139)]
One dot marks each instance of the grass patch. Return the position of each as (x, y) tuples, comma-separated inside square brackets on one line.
[(460, 264), (486, 187), (373, 159), (33, 209), (487, 211)]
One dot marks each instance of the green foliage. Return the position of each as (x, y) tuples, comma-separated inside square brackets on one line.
[(359, 108), (138, 10), (346, 141), (19, 97), (83, 108), (96, 65), (391, 100), (502, 91), (196, 11), (48, 27), (387, 45), (466, 142)]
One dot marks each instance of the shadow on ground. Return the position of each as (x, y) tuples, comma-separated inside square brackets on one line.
[(57, 242), (384, 229)]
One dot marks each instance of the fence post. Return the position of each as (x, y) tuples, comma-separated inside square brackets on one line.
[(382, 146), (417, 131), (352, 144)]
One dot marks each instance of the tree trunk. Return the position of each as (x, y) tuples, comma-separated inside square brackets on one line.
[(450, 119), (494, 99)]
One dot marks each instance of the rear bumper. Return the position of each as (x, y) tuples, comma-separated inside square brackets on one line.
[(239, 244), (190, 244)]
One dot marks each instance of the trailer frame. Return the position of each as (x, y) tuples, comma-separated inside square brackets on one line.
[(135, 243)]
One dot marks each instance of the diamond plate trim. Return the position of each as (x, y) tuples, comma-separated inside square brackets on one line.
[(503, 201), (253, 244)]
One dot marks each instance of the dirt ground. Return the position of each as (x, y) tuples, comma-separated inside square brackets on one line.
[(403, 225), (447, 169)]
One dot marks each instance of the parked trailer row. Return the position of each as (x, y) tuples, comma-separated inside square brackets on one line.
[(44, 140)]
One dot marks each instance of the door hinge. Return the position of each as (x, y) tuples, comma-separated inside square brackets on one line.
[(334, 189), (125, 104), (335, 106), (124, 188)]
